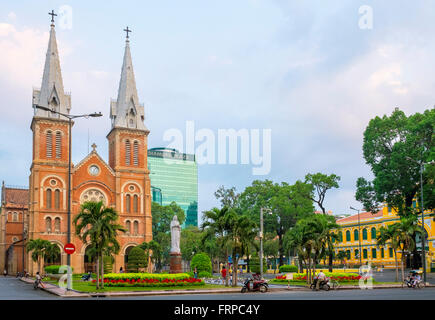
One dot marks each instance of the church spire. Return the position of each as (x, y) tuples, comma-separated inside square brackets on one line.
[(126, 111), (52, 94)]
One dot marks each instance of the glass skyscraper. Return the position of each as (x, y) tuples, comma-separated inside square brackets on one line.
[(174, 177)]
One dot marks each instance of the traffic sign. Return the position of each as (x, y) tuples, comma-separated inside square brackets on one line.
[(69, 248)]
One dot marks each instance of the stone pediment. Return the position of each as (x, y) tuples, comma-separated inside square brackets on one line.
[(95, 158)]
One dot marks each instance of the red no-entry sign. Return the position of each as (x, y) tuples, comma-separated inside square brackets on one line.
[(69, 248)]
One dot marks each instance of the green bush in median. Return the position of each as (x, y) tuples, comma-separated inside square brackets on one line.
[(288, 268)]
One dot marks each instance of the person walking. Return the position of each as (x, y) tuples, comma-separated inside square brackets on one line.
[(224, 274), (195, 273), (5, 272)]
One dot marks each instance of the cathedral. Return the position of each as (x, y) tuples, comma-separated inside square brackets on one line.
[(122, 183)]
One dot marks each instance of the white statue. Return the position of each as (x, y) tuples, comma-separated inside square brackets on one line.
[(175, 235)]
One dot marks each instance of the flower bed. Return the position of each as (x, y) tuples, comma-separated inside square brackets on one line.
[(340, 277), (149, 280)]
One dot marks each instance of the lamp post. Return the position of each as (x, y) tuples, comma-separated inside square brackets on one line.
[(423, 233), (70, 118), (359, 236), (261, 239)]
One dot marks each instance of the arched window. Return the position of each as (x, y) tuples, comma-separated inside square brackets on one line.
[(136, 153), (135, 228), (340, 236), (382, 253), (57, 199), (127, 203), (58, 145), (128, 226), (15, 217), (135, 203), (127, 152), (356, 253), (49, 144), (57, 225), (355, 235), (48, 199), (365, 253), (373, 253), (48, 224), (348, 254), (364, 234), (390, 252), (373, 231), (347, 235)]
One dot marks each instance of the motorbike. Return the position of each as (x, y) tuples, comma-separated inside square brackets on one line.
[(87, 277), (411, 282), (324, 285), (257, 285), (36, 284)]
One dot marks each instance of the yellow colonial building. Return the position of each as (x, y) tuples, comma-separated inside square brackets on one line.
[(354, 234)]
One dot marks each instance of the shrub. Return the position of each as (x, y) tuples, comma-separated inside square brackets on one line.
[(202, 263), (137, 260), (254, 264), (288, 268), (108, 264), (54, 269), (150, 280), (339, 276)]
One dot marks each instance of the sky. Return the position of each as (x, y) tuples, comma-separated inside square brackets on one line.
[(306, 70)]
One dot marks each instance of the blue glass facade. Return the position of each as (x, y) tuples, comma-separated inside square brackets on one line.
[(174, 177)]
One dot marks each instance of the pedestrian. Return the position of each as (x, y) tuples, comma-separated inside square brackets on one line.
[(5, 272), (195, 273), (121, 270), (224, 274)]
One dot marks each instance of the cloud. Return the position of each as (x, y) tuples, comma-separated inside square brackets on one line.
[(12, 15)]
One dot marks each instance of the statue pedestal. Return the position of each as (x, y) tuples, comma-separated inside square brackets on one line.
[(175, 263)]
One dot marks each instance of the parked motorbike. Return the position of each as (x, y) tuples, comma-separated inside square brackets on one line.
[(257, 285), (324, 285)]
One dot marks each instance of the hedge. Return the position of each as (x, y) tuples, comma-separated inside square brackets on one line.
[(150, 280), (54, 269), (288, 268), (339, 276)]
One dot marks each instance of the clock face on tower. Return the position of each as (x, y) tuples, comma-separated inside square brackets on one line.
[(94, 170)]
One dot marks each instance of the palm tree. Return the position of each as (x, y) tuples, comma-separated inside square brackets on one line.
[(38, 247), (217, 226), (405, 231), (387, 235), (51, 253), (96, 225)]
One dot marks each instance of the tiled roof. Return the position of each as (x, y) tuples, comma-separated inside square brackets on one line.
[(16, 197), (362, 216)]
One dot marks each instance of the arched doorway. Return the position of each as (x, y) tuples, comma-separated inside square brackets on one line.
[(90, 260), (414, 259), (127, 251)]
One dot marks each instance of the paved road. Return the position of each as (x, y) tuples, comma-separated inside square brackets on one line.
[(378, 294), (13, 289)]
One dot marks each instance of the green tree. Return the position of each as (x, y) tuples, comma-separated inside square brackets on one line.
[(190, 242), (153, 251), (228, 197), (386, 235), (389, 142), (321, 184), (97, 225), (216, 225), (52, 253), (202, 263), (288, 204), (137, 259), (38, 247)]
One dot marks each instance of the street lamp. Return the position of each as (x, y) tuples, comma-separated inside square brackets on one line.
[(261, 238), (423, 233), (70, 118), (359, 236)]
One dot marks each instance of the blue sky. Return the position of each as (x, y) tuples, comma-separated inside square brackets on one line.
[(303, 69)]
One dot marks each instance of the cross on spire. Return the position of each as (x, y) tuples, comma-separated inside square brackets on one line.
[(94, 147), (52, 14), (127, 31)]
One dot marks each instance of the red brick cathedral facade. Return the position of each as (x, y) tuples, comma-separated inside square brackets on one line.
[(123, 183)]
